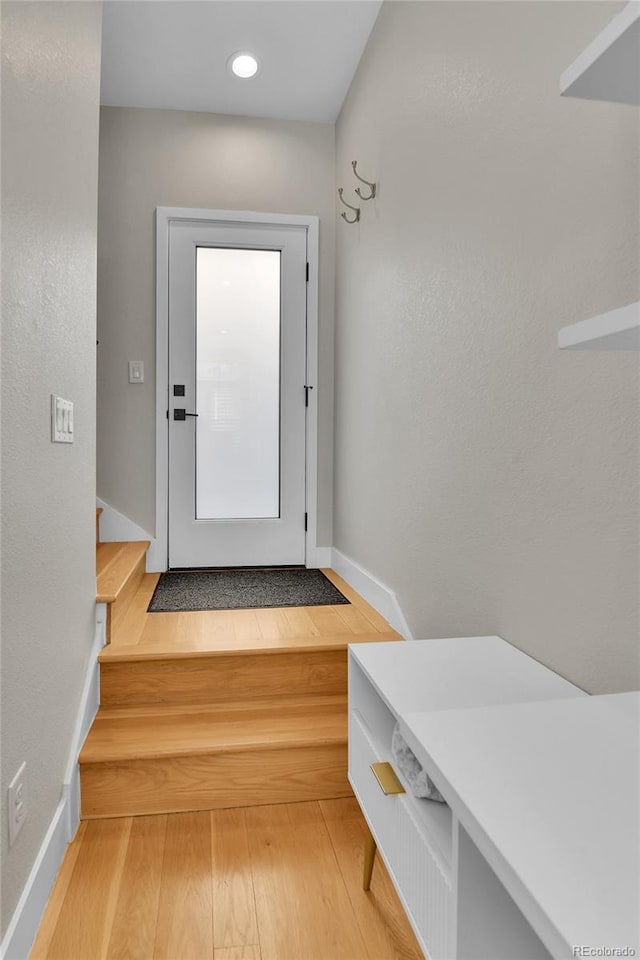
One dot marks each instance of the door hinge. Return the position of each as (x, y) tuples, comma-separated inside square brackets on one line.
[(306, 394), (307, 273), (306, 520)]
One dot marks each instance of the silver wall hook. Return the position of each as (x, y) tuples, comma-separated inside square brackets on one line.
[(372, 186), (356, 210)]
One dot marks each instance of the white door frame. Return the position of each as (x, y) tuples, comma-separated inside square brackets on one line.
[(157, 557)]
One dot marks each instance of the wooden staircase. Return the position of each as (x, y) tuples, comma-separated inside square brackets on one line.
[(120, 567), (152, 759), (215, 724)]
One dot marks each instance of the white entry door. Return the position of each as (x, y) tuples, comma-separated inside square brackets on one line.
[(237, 361)]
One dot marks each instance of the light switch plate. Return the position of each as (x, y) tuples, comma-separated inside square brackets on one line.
[(61, 420), (136, 371)]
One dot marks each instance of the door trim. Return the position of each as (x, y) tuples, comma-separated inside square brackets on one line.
[(157, 557)]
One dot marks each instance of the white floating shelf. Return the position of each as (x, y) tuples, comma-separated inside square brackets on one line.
[(609, 68), (617, 330)]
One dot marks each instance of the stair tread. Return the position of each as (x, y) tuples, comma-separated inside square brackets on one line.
[(158, 731), (216, 646), (116, 561)]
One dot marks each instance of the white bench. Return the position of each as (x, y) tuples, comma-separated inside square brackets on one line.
[(423, 842), (548, 846)]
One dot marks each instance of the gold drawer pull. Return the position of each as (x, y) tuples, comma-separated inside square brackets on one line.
[(386, 777)]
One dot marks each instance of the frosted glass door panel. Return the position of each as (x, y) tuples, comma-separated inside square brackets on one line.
[(237, 384)]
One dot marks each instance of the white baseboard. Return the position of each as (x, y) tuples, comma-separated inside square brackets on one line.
[(27, 916), (382, 598), (115, 526), (156, 557), (89, 703), (318, 557), (24, 924)]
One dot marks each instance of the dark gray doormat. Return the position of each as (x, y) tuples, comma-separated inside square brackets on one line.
[(178, 591)]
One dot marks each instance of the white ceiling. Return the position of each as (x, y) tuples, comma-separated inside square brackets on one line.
[(172, 54)]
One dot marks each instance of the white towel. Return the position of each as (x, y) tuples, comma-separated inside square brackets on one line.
[(419, 783)]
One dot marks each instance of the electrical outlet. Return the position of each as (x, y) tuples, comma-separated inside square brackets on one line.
[(17, 803)]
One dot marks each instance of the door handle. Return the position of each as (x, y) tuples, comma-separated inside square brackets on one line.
[(181, 414)]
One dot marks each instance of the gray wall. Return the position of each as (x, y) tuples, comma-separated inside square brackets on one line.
[(50, 96), (487, 477), (151, 158)]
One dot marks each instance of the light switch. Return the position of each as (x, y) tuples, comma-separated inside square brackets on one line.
[(136, 371), (61, 420)]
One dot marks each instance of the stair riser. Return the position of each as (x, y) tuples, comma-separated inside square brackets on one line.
[(223, 679), (209, 782), (117, 610)]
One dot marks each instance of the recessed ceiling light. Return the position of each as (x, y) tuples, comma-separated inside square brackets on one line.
[(243, 65)]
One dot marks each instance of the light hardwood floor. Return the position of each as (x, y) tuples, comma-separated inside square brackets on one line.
[(139, 634), (256, 883), (270, 882)]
